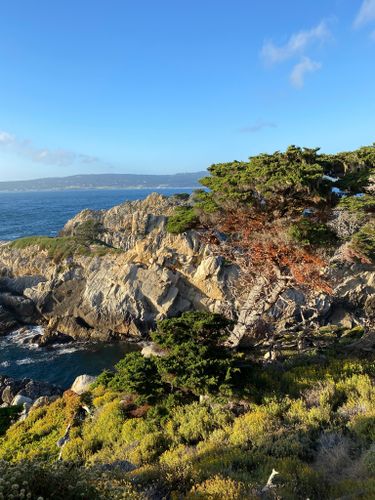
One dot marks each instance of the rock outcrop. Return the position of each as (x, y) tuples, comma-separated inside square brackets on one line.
[(18, 392), (151, 275), (82, 383)]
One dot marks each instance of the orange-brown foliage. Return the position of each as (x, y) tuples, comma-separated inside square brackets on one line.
[(262, 247)]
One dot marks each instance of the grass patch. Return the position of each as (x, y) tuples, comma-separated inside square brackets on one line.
[(308, 232), (61, 248)]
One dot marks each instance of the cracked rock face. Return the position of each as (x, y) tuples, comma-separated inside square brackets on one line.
[(156, 275)]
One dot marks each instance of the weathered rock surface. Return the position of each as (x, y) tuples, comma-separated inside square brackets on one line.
[(156, 275), (82, 383), (14, 391)]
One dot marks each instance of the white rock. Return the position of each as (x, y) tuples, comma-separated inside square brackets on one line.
[(82, 383), (21, 400), (152, 349)]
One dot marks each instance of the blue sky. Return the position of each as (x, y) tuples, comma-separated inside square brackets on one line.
[(89, 86)]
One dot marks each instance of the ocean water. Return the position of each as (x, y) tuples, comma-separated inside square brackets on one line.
[(45, 213), (59, 364)]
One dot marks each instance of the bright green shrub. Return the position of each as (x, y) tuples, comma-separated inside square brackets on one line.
[(308, 232), (355, 204), (192, 423), (364, 241), (183, 219), (136, 374), (219, 487), (36, 437), (250, 429)]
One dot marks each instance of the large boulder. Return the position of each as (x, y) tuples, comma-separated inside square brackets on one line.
[(20, 400), (82, 383)]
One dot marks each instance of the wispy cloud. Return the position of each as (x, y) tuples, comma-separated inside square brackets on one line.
[(296, 45), (52, 157), (257, 127), (366, 14), (306, 65)]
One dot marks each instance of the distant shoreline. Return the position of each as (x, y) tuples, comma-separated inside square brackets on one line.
[(104, 188)]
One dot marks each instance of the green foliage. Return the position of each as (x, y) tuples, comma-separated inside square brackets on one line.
[(355, 182), (311, 421), (36, 480), (200, 327), (196, 360), (88, 231), (355, 204), (267, 180), (308, 232), (192, 423), (36, 437), (183, 219), (61, 481), (136, 374), (364, 241), (60, 248)]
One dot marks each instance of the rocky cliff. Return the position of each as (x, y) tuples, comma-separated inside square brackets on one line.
[(151, 275), (148, 274)]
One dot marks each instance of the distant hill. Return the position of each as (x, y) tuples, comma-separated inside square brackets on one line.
[(106, 181)]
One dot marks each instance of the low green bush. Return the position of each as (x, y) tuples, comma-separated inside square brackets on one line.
[(364, 241), (355, 204), (183, 219), (308, 232)]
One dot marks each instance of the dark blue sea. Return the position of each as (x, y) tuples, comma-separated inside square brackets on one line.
[(45, 213)]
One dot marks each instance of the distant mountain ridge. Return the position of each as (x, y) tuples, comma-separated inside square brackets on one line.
[(105, 181)]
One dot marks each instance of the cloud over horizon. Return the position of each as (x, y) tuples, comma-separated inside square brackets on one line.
[(53, 157)]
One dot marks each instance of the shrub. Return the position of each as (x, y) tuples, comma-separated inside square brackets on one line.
[(62, 481), (196, 360), (192, 423), (136, 374), (219, 487), (36, 480), (363, 241), (308, 232), (183, 219), (250, 429), (355, 204), (87, 232)]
